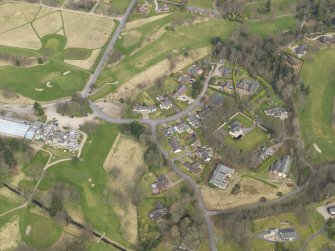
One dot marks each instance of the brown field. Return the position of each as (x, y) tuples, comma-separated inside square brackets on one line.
[(86, 63), (10, 235), (127, 156), (131, 89), (44, 11), (14, 14), (132, 37), (10, 97), (251, 191), (113, 109), (48, 24), (84, 31), (23, 37)]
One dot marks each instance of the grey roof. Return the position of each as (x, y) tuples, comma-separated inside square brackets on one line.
[(204, 113), (16, 129), (216, 100), (193, 120), (248, 85), (219, 176), (288, 233), (174, 143), (331, 210), (282, 165)]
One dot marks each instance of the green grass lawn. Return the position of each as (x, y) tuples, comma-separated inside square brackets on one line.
[(249, 142), (31, 82), (6, 204), (44, 231), (97, 212), (316, 116), (320, 242), (35, 166), (206, 4)]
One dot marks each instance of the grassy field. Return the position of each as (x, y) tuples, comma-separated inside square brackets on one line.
[(44, 231), (97, 211), (35, 166), (6, 204), (206, 4), (316, 115), (34, 79), (320, 242)]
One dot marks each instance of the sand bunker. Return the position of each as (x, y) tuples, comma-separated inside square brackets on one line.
[(317, 148), (48, 84), (66, 73), (39, 89)]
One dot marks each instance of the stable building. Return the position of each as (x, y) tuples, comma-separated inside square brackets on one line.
[(282, 166), (17, 129), (220, 175)]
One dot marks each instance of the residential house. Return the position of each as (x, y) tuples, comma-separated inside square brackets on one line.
[(182, 127), (193, 121), (226, 86), (327, 39), (166, 104), (160, 185), (301, 50), (282, 166), (194, 70), (168, 131), (249, 86), (236, 130), (201, 11), (194, 167), (174, 143), (288, 234), (160, 98), (202, 115), (203, 154), (163, 8), (220, 175), (226, 72), (331, 210), (265, 153), (159, 211), (180, 90), (277, 112), (144, 108)]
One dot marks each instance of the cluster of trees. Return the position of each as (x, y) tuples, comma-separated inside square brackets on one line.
[(330, 228), (182, 226), (38, 109), (152, 156), (8, 150), (21, 61), (238, 223), (76, 107), (320, 14), (85, 5), (261, 57)]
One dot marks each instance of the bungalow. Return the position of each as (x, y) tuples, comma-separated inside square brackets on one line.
[(166, 104), (331, 210), (160, 185), (201, 11), (282, 166), (327, 39), (194, 167), (226, 72), (194, 70), (174, 143), (168, 131), (226, 85), (277, 112), (144, 108), (248, 85), (301, 50), (185, 79), (193, 121), (182, 127), (163, 8), (288, 234), (181, 90), (265, 153), (160, 98), (159, 211), (219, 176), (236, 130), (202, 115), (203, 154)]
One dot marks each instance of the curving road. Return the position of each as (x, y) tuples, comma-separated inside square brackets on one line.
[(103, 61)]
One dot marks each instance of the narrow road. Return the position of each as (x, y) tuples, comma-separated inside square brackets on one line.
[(304, 246), (93, 78)]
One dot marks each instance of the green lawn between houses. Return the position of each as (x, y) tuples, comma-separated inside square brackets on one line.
[(97, 212), (206, 4), (316, 116)]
